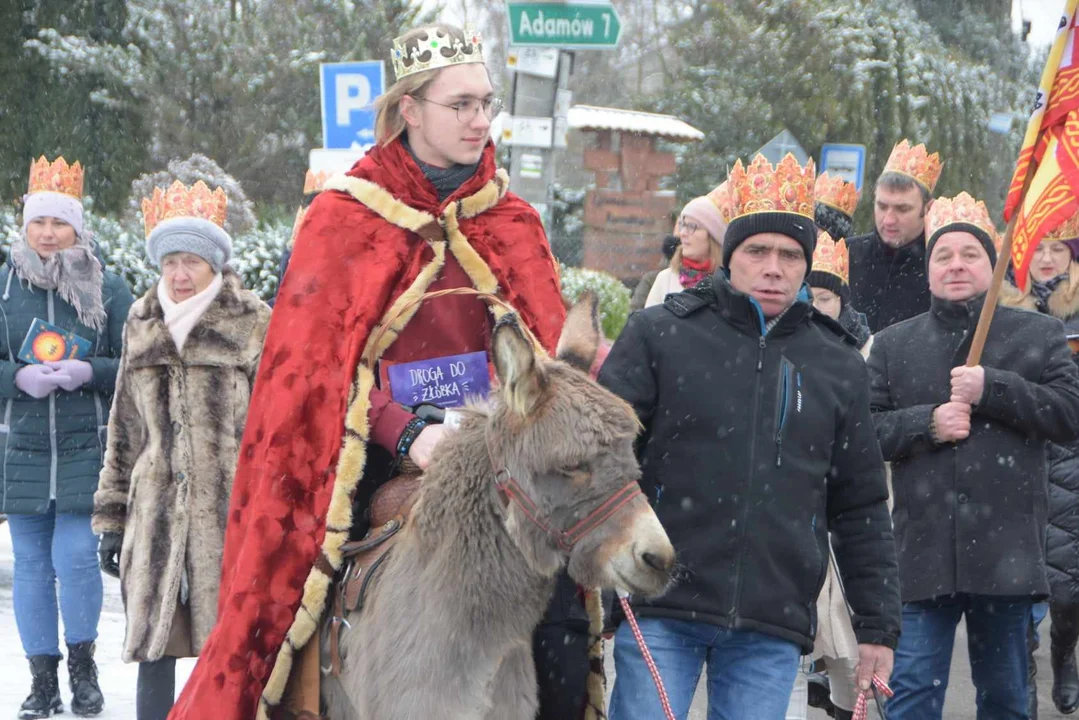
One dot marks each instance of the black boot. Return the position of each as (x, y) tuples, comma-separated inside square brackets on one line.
[(1065, 678), (86, 698), (44, 700)]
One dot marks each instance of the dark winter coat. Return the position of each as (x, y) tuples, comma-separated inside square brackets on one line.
[(888, 285), (971, 516), (1062, 535), (755, 445), (174, 438), (55, 445)]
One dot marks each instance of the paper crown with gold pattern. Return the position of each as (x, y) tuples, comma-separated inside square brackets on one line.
[(435, 47), (835, 192), (197, 201), (721, 197), (1067, 230), (831, 257), (961, 214), (916, 163), (313, 182), (57, 177), (785, 188)]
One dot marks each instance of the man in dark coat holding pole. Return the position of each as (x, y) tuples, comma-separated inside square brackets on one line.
[(967, 446)]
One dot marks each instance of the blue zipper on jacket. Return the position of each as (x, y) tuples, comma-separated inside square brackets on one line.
[(784, 400)]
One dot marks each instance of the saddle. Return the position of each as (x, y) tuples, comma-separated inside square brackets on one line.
[(389, 510)]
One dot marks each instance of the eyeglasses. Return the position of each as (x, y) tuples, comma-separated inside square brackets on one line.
[(688, 225), (469, 108)]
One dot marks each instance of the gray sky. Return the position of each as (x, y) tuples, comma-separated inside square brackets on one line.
[(1044, 16)]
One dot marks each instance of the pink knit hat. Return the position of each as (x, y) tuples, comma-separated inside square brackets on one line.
[(704, 211)]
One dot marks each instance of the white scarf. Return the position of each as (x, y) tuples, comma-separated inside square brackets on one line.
[(181, 317)]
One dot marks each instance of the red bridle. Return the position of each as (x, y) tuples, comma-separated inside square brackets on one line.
[(511, 491)]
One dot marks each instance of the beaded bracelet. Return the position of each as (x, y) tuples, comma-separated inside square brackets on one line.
[(408, 436)]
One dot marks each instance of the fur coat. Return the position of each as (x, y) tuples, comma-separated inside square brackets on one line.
[(173, 441)]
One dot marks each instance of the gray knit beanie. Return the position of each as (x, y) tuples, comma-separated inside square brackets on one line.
[(190, 235)]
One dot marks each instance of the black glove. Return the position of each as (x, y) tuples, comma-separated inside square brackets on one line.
[(108, 553)]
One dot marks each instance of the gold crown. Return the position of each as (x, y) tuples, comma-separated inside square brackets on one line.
[(435, 47), (313, 182), (962, 209), (721, 197), (916, 163), (1067, 230), (832, 257), (787, 187), (837, 193), (57, 177), (180, 201)]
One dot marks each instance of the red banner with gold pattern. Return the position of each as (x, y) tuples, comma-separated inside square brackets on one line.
[(1051, 149)]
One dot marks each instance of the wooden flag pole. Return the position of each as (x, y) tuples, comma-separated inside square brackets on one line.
[(1004, 258)]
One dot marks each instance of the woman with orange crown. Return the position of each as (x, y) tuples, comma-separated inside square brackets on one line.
[(191, 348), (1053, 289), (61, 322)]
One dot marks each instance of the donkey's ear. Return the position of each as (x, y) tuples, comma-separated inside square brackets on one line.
[(580, 335), (518, 372)]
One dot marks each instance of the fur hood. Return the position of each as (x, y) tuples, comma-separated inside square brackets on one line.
[(1063, 301)]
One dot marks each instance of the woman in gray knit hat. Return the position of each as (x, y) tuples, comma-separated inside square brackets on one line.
[(191, 350)]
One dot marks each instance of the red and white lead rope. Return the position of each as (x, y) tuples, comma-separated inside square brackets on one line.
[(861, 705), (663, 699)]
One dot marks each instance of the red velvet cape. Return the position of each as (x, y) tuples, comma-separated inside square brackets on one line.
[(348, 267)]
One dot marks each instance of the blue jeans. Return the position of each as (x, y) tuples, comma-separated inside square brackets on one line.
[(750, 675), (997, 644), (48, 547)]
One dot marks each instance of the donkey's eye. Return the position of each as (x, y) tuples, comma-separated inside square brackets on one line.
[(582, 467)]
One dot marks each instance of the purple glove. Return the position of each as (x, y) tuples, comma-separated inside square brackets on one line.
[(38, 381), (78, 372)]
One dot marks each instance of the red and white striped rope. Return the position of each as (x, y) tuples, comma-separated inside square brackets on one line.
[(663, 699), (861, 705)]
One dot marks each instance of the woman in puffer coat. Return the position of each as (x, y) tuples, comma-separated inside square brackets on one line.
[(1053, 288), (192, 346), (54, 412)]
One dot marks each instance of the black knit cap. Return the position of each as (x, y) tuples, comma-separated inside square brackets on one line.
[(982, 235), (797, 227), (829, 281)]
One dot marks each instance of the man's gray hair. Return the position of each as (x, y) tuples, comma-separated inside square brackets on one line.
[(900, 182)]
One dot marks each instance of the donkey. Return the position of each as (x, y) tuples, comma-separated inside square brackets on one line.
[(446, 629)]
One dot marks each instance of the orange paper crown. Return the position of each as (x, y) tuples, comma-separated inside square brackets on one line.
[(962, 209), (314, 181), (832, 257), (721, 196), (787, 187), (837, 193), (1067, 230), (57, 177), (180, 201), (916, 163)]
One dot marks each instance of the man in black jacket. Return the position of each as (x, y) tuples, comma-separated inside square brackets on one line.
[(967, 446), (887, 266), (757, 441)]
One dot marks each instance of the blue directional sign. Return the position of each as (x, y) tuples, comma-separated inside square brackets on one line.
[(348, 93), (846, 161)]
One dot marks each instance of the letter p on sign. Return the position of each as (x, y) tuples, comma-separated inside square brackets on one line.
[(348, 92)]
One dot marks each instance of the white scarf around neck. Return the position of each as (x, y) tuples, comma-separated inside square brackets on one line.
[(181, 317)]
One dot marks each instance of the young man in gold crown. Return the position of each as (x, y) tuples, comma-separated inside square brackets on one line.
[(968, 453), (887, 266), (757, 442), (424, 210)]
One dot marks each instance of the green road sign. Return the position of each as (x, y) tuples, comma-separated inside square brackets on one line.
[(566, 25)]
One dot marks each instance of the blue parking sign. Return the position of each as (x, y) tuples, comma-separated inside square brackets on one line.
[(844, 160), (348, 93)]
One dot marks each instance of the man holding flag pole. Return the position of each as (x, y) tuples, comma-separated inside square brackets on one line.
[(967, 444)]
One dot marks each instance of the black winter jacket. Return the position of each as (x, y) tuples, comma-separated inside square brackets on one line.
[(971, 516), (888, 285), (755, 445)]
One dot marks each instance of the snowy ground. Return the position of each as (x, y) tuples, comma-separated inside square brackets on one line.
[(117, 678)]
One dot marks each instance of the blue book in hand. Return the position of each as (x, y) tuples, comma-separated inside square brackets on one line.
[(47, 343)]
